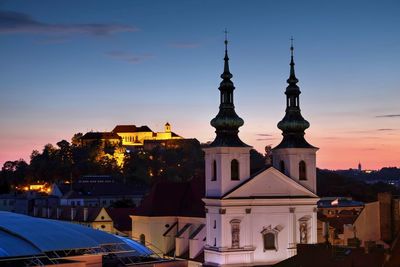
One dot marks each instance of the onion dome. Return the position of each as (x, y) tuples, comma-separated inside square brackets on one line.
[(293, 124), (227, 122)]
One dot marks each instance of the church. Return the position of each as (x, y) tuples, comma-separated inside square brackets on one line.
[(249, 219)]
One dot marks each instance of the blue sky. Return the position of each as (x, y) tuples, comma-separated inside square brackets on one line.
[(76, 66)]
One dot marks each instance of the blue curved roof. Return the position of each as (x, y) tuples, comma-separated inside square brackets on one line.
[(22, 235)]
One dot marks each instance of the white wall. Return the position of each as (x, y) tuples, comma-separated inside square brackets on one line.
[(252, 225), (292, 157)]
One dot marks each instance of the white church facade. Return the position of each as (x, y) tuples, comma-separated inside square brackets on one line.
[(259, 219), (250, 219)]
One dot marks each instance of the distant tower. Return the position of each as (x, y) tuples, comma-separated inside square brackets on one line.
[(167, 127), (359, 167), (294, 156), (227, 159)]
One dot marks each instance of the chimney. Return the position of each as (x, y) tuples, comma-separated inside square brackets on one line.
[(85, 214), (385, 215), (73, 213)]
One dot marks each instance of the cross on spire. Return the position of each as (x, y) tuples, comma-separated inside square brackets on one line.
[(291, 45), (226, 39)]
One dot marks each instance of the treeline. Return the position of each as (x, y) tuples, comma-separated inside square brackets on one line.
[(332, 184), (70, 160)]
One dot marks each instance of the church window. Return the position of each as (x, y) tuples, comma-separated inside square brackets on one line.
[(235, 230), (235, 169), (142, 239), (270, 237), (214, 171), (269, 241), (302, 171), (282, 166)]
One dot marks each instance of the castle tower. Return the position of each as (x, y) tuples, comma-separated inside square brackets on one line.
[(227, 158), (294, 156), (167, 127)]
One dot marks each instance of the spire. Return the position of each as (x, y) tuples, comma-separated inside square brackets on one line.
[(227, 122), (293, 124), (226, 74), (292, 78)]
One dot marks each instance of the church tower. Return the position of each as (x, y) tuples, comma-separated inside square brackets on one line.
[(227, 158), (294, 156)]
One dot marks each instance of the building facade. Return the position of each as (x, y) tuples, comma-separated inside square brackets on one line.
[(259, 219)]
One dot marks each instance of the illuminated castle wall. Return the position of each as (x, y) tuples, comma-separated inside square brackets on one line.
[(126, 137)]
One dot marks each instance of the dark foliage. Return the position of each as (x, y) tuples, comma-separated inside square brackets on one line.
[(330, 183)]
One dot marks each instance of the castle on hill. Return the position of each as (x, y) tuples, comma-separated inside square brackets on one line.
[(126, 138)]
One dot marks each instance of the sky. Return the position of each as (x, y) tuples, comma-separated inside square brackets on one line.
[(77, 66)]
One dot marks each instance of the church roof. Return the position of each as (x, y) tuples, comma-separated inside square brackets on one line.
[(120, 218), (131, 129), (269, 183), (174, 199)]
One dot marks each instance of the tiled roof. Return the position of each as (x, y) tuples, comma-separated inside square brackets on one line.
[(174, 199), (87, 190), (131, 129), (120, 217), (100, 135)]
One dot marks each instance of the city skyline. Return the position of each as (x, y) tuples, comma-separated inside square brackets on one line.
[(67, 68)]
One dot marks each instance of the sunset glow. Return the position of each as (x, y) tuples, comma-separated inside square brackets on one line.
[(65, 70)]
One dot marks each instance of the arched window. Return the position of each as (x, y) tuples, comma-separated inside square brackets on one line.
[(302, 170), (214, 171), (234, 169), (142, 239), (235, 230), (282, 166)]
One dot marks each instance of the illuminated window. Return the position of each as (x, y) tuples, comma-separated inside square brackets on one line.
[(282, 166), (235, 169), (302, 171), (214, 171)]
